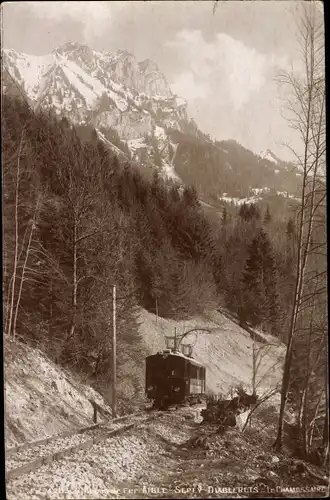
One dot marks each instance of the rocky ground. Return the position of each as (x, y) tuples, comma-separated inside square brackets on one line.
[(173, 456), (42, 399), (209, 465)]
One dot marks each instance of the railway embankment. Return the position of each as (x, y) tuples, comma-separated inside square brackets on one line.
[(42, 399)]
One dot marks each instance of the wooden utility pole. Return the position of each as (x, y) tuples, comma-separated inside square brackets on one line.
[(114, 356), (156, 311)]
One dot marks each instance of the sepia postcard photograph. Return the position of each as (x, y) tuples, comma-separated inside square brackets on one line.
[(164, 262)]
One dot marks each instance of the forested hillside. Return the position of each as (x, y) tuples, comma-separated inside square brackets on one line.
[(77, 220), (226, 168)]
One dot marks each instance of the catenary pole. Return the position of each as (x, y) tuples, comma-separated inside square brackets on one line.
[(114, 355)]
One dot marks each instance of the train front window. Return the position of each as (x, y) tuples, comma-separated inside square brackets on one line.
[(193, 371), (176, 371)]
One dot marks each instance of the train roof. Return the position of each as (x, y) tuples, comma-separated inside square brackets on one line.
[(179, 355)]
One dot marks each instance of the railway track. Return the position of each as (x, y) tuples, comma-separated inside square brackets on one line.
[(31, 456)]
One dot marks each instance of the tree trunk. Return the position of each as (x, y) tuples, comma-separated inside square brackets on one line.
[(325, 440), (254, 368), (74, 282), (301, 408), (311, 426), (294, 317), (12, 301), (22, 280), (307, 380), (24, 266)]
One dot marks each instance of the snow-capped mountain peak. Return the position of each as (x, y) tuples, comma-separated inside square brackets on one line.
[(132, 108), (109, 90), (267, 154)]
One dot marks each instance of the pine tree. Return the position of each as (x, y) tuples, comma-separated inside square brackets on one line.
[(190, 196), (224, 217), (267, 216), (244, 211), (259, 282), (254, 212)]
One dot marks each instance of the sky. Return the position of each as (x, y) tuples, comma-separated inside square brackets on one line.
[(223, 61)]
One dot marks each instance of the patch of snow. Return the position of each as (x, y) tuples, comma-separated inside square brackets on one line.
[(31, 69), (295, 198), (134, 144), (285, 194), (179, 101), (80, 80), (260, 190), (240, 201), (268, 155), (276, 171), (160, 132), (257, 190), (169, 172), (157, 97)]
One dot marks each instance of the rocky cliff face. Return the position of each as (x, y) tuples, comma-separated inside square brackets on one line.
[(107, 90), (115, 93)]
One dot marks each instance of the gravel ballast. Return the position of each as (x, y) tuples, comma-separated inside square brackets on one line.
[(101, 471)]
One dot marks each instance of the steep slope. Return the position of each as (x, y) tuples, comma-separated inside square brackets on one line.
[(110, 91), (226, 351), (41, 399)]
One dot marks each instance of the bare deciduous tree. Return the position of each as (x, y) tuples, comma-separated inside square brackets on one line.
[(12, 284), (306, 115), (259, 353)]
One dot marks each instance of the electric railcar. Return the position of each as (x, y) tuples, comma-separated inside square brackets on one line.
[(173, 378)]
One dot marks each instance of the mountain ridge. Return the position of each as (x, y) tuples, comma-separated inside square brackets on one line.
[(120, 96)]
